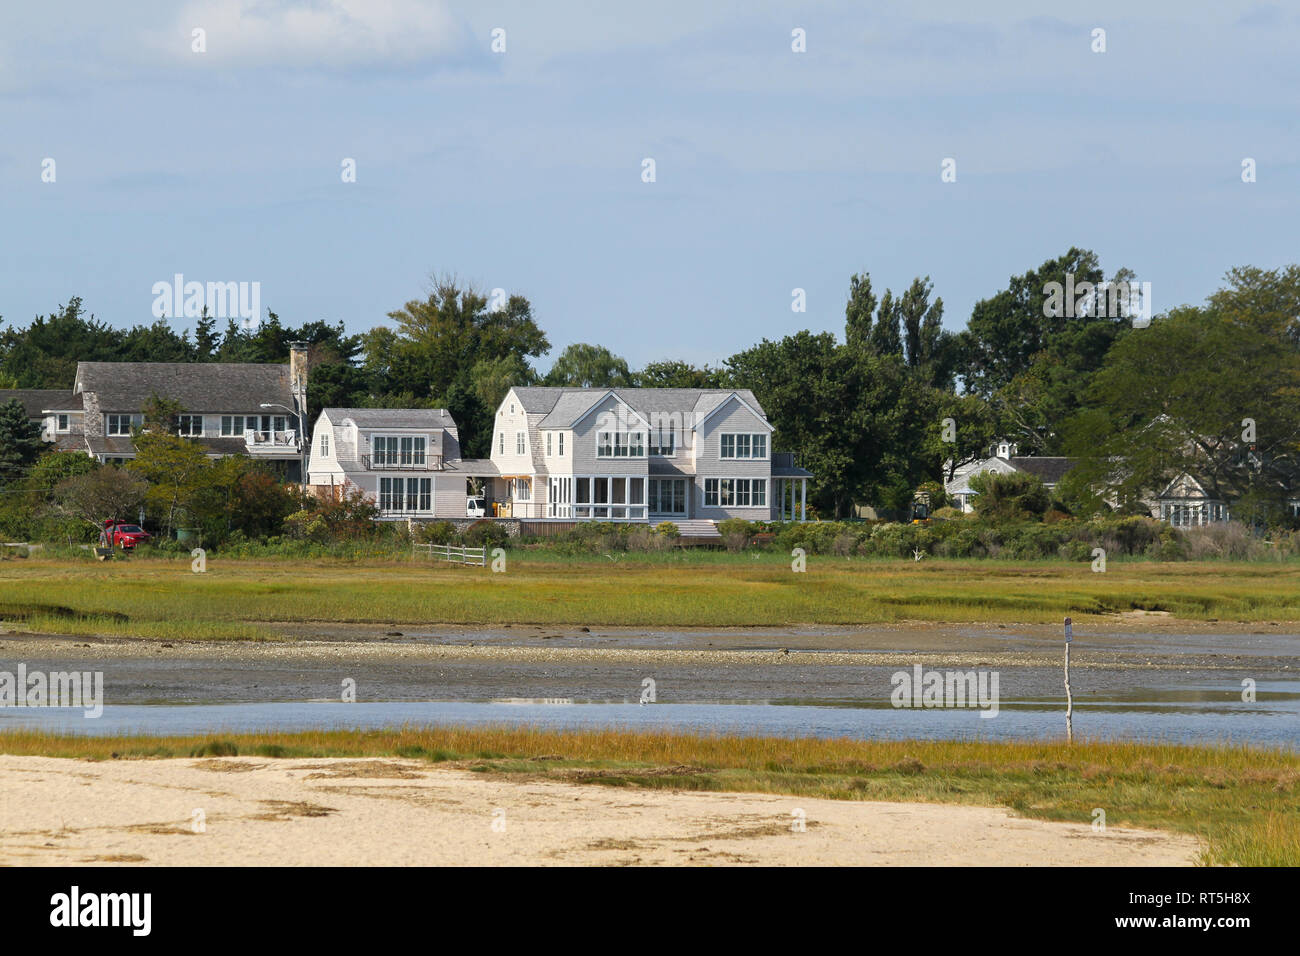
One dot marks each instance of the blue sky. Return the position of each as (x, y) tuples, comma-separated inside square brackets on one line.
[(522, 170)]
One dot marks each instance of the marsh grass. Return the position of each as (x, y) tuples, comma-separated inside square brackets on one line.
[(1241, 802), (241, 599)]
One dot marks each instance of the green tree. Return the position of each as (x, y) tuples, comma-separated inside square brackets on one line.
[(20, 441), (98, 495), (1009, 497), (438, 344), (178, 473), (589, 366), (676, 374), (1213, 391)]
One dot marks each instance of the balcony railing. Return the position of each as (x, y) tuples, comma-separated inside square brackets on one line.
[(401, 463), (270, 439)]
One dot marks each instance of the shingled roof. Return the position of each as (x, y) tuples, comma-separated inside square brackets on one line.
[(1049, 470), (197, 386), (393, 417), (37, 400), (564, 406)]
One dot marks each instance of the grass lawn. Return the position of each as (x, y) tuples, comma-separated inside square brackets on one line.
[(159, 598), (1241, 802)]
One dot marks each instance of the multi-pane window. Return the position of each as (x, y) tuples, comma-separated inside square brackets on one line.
[(561, 444), (405, 494), (620, 445), (234, 425), (121, 424), (667, 496), (612, 497), (548, 444), (394, 450), (190, 425), (501, 443), (324, 443), (735, 492), (743, 445), (521, 443), (523, 489)]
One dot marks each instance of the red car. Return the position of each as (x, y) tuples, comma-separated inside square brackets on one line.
[(120, 534)]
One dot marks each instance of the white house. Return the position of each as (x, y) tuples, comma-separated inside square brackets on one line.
[(407, 460), (1003, 460), (570, 454)]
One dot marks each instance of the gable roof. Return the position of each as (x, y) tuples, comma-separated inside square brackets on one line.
[(564, 407), (1048, 470), (392, 417), (36, 401), (197, 386)]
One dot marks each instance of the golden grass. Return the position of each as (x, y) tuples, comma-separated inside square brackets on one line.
[(234, 598), (1240, 801)]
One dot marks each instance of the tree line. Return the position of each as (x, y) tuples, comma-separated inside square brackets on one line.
[(892, 403)]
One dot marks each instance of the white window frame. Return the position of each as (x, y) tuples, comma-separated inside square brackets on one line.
[(501, 442), (750, 445), (602, 502), (559, 497), (404, 495), (548, 444), (407, 451), (62, 423), (325, 443), (131, 422), (228, 428), (734, 492), (521, 443), (190, 433), (655, 496), (561, 444)]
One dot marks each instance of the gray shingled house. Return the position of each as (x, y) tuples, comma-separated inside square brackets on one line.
[(228, 408), (406, 460)]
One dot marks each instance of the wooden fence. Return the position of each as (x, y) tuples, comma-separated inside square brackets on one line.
[(455, 553)]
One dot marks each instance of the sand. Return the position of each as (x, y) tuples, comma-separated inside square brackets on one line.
[(388, 812)]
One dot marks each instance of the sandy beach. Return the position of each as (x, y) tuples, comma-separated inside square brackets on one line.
[(318, 811)]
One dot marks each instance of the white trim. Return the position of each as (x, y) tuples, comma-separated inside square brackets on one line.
[(723, 404), (704, 494), (585, 415), (767, 445)]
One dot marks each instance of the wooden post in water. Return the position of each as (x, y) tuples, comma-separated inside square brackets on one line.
[(1069, 701)]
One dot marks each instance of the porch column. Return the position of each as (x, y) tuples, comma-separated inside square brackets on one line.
[(803, 500)]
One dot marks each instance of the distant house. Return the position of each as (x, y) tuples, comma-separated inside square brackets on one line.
[(58, 412), (1185, 503), (1003, 460), (641, 454), (693, 456), (228, 408), (406, 460)]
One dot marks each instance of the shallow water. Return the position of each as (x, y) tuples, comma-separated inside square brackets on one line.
[(1192, 713)]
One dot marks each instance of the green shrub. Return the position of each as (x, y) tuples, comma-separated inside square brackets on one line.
[(735, 533), (487, 534)]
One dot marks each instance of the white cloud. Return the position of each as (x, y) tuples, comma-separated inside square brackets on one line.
[(316, 34)]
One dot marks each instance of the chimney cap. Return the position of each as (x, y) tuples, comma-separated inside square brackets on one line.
[(299, 345)]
